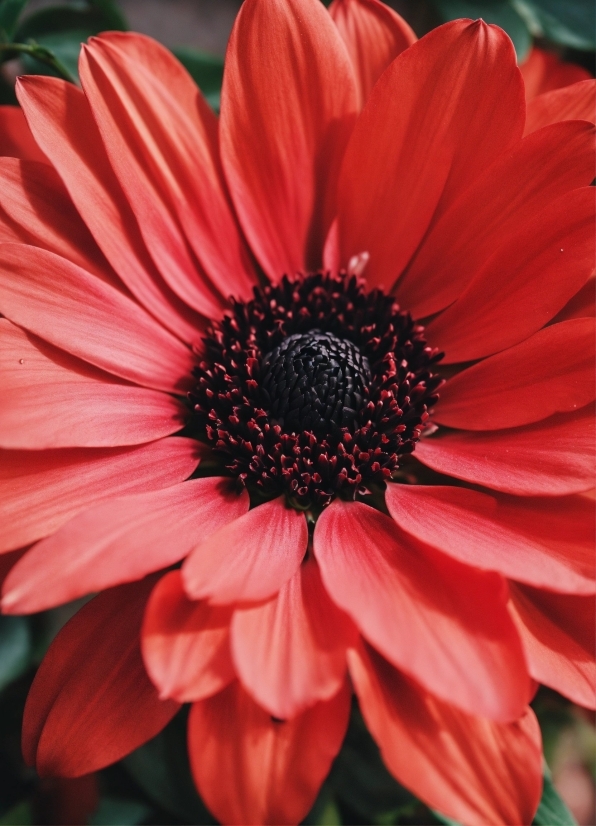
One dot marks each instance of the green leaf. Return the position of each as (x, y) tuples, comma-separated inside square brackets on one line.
[(10, 11), (19, 815), (113, 17), (500, 12), (206, 71), (552, 811), (15, 648), (161, 769), (116, 811), (568, 23)]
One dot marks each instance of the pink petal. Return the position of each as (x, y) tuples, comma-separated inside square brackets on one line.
[(81, 314), (429, 615), (288, 105), (250, 559), (544, 542), (61, 119), (550, 372), (120, 540), (161, 138), (525, 283), (291, 652), (185, 644), (40, 491), (554, 457), (468, 768), (428, 130), (558, 635), (491, 212), (252, 769), (54, 400), (91, 702), (374, 35)]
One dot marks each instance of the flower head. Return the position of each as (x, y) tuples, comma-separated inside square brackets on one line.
[(305, 393)]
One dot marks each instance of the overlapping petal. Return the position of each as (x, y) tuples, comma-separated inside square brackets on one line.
[(429, 615), (185, 643), (120, 540), (250, 559), (16, 140), (374, 35), (288, 104), (91, 702), (291, 652), (427, 131), (468, 768), (554, 457), (574, 102), (545, 543), (253, 769), (557, 631), (40, 491)]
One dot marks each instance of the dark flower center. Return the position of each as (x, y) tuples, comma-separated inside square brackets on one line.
[(315, 388), (314, 381)]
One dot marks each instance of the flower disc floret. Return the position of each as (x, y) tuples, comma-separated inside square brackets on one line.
[(315, 388)]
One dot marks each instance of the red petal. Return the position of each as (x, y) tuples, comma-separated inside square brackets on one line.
[(550, 372), (288, 105), (250, 768), (291, 652), (81, 407), (558, 635), (374, 35), (250, 559), (91, 702), (554, 457), (543, 71), (582, 305), (35, 209), (40, 491), (429, 615), (491, 212), (185, 644), (428, 130), (81, 314), (545, 542), (529, 278), (468, 768), (62, 122), (118, 541), (16, 139), (571, 103), (161, 138)]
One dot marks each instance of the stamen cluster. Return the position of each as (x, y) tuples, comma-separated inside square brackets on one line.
[(388, 392)]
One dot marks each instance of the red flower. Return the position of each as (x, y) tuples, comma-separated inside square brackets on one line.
[(341, 521)]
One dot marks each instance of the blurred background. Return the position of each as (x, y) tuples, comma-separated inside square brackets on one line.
[(153, 785)]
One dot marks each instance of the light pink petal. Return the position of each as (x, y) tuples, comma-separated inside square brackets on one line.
[(40, 491), (558, 635), (250, 559), (544, 542), (291, 652), (120, 540), (288, 105), (162, 141), (550, 372), (62, 122), (468, 768), (185, 644), (77, 312), (428, 614), (554, 457), (252, 769), (524, 284)]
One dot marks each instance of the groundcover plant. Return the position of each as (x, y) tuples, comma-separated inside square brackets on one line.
[(304, 395)]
